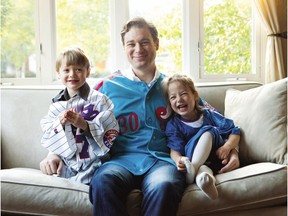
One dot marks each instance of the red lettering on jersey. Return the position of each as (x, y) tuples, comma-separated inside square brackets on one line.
[(131, 125), (162, 114)]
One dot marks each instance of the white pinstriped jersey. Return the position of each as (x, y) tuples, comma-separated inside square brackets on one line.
[(81, 153)]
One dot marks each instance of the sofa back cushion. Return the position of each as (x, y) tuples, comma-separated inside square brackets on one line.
[(214, 93), (262, 115), (22, 110)]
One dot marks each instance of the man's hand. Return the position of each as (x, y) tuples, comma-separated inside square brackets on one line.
[(52, 164), (223, 152), (231, 163)]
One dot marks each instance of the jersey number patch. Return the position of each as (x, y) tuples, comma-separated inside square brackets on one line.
[(130, 124)]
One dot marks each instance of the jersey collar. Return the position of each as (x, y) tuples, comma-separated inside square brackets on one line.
[(128, 73), (64, 95)]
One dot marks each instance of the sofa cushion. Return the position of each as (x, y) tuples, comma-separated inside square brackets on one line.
[(261, 114), (254, 186), (31, 192)]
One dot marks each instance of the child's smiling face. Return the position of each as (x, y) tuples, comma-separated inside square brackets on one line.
[(73, 76), (182, 100)]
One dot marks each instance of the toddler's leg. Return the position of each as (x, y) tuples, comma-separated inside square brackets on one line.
[(200, 155), (205, 180)]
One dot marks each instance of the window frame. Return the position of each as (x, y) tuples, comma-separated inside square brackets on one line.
[(45, 34)]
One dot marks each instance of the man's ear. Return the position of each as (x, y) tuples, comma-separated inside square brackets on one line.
[(157, 44)]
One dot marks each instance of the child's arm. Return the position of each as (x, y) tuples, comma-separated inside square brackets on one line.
[(54, 137), (232, 143), (101, 124), (226, 128)]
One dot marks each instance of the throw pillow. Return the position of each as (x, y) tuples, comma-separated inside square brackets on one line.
[(261, 114)]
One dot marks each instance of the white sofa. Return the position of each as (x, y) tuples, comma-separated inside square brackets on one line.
[(259, 187)]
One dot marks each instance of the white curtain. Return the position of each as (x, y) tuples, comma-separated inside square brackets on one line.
[(273, 14)]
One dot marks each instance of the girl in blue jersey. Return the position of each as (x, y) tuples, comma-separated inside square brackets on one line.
[(197, 134)]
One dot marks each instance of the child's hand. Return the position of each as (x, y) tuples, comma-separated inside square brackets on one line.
[(181, 164), (223, 152), (52, 164), (75, 119), (62, 118)]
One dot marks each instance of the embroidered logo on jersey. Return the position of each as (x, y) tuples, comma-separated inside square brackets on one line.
[(109, 137), (88, 112), (162, 114)]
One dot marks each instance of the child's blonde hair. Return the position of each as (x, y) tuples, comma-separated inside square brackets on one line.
[(73, 56), (186, 81)]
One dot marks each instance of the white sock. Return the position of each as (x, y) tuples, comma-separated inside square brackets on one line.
[(190, 174), (206, 182)]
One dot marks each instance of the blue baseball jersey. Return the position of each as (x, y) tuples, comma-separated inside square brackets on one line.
[(141, 111)]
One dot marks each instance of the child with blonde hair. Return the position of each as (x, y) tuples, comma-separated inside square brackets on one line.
[(80, 125)]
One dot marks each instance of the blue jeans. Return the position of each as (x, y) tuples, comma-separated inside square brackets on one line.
[(162, 187)]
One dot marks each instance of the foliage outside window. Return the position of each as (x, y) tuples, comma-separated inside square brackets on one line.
[(167, 17), (18, 59), (85, 24), (225, 42), (227, 37)]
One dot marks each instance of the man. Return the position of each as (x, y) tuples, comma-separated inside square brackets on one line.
[(139, 156)]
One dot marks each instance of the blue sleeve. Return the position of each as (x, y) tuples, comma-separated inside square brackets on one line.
[(175, 140), (99, 86), (224, 125), (206, 105)]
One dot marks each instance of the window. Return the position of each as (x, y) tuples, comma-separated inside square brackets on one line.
[(167, 18), (209, 40), (226, 40), (18, 39), (227, 37), (86, 24)]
